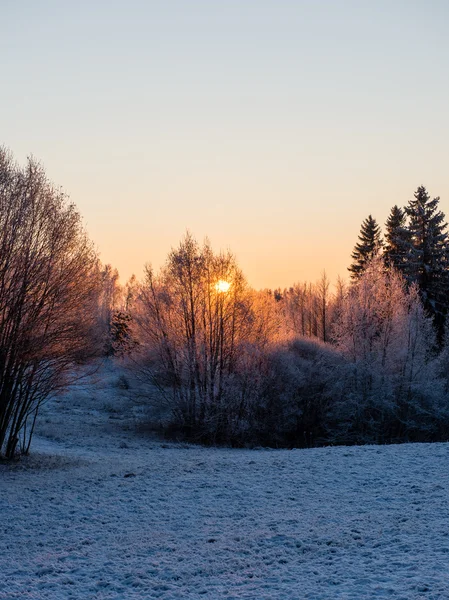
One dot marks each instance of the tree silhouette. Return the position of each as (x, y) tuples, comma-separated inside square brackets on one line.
[(397, 240), (367, 248), (428, 256)]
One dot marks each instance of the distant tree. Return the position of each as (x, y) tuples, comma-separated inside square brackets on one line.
[(130, 292), (322, 290), (308, 309), (109, 301), (337, 304), (49, 295), (300, 315), (428, 257), (397, 240), (367, 248)]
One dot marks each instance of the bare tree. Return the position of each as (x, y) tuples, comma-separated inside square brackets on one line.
[(198, 324), (49, 280), (322, 291), (307, 309)]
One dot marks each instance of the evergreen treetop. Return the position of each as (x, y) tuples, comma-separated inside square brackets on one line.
[(397, 238), (428, 257), (367, 248)]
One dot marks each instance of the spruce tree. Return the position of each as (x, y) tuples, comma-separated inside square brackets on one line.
[(428, 257), (397, 238), (367, 248)]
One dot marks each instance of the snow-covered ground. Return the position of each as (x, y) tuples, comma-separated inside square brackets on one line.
[(100, 511)]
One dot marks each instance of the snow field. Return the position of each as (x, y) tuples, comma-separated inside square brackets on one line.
[(100, 512)]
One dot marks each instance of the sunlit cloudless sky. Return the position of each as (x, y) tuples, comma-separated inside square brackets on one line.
[(272, 127)]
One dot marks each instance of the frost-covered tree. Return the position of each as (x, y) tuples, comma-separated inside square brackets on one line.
[(49, 288), (397, 240), (428, 257), (368, 246), (383, 330)]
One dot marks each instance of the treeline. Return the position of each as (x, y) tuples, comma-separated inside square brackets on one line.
[(219, 362), (416, 244), (300, 367)]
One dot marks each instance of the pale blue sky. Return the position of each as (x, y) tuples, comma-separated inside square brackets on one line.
[(273, 127)]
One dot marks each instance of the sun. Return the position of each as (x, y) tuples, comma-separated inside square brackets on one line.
[(222, 286)]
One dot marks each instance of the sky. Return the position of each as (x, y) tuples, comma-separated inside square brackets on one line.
[(272, 127)]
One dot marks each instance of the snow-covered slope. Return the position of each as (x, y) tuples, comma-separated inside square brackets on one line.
[(99, 511)]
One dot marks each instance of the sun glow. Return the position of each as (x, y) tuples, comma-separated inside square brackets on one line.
[(222, 286)]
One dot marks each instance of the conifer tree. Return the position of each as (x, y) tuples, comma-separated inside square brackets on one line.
[(367, 248), (428, 257), (397, 238)]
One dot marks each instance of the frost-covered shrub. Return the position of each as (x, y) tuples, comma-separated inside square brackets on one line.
[(298, 391)]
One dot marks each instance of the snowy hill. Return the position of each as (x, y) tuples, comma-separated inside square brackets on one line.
[(101, 512)]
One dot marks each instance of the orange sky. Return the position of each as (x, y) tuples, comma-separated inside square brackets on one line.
[(274, 128)]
